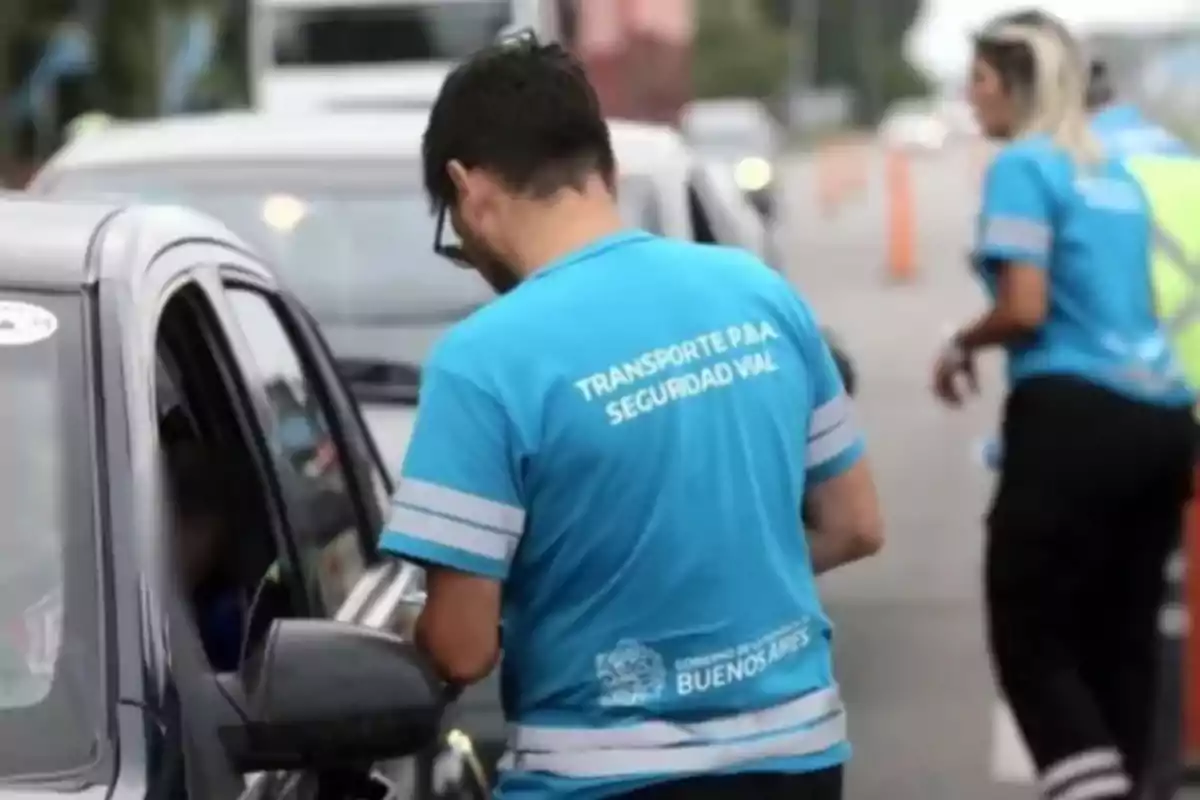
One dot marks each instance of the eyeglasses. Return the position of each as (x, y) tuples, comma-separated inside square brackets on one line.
[(451, 250)]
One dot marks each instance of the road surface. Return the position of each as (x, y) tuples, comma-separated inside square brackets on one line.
[(912, 659)]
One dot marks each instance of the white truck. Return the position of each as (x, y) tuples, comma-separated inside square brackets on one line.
[(366, 55)]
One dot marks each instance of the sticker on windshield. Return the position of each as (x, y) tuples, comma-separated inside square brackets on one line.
[(24, 323)]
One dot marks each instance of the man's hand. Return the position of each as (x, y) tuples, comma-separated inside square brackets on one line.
[(954, 366)]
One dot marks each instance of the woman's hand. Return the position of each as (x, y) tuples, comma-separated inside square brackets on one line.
[(955, 366)]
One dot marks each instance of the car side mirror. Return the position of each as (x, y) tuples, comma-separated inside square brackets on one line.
[(327, 695)]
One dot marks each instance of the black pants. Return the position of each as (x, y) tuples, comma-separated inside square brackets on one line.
[(1089, 505), (825, 784)]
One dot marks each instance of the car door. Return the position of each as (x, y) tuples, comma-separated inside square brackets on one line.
[(335, 492)]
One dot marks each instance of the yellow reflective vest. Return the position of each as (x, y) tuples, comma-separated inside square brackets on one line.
[(1172, 187)]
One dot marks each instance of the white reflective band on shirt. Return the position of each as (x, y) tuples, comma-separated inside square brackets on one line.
[(831, 430), (460, 505), (422, 525), (1017, 233), (829, 415), (1061, 777), (666, 748)]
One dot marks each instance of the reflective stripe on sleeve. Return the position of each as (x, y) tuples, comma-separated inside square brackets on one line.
[(831, 431), (419, 524), (809, 724), (1016, 233), (448, 502), (828, 415)]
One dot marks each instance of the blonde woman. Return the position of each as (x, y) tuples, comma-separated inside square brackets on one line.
[(1096, 436)]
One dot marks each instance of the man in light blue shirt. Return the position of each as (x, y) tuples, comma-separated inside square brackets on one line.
[(609, 463)]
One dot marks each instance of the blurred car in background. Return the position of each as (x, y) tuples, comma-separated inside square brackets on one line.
[(741, 134), (364, 55), (914, 127)]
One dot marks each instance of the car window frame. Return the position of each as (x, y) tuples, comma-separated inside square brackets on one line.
[(232, 278), (371, 457), (192, 675)]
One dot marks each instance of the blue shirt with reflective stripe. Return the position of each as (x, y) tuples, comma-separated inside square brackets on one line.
[(625, 441), (1124, 132), (1089, 228)]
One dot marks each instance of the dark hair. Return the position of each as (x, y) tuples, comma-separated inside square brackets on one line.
[(523, 110), (1100, 89), (1013, 61), (197, 482)]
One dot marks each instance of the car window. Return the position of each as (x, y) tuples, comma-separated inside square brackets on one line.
[(731, 131), (51, 706), (318, 489)]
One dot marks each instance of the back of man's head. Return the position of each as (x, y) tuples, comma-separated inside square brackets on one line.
[(524, 111)]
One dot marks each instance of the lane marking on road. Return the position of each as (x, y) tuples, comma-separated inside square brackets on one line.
[(1011, 762)]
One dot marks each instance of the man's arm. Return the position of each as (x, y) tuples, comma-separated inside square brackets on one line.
[(458, 512), (847, 524), (841, 506)]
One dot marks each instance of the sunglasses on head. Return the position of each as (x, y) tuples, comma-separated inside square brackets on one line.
[(452, 251)]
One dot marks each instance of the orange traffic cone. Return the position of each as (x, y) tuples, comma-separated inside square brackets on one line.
[(901, 236)]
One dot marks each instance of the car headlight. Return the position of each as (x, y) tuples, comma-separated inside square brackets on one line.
[(752, 174)]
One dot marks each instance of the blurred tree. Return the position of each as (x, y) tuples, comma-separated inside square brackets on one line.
[(862, 47), (742, 49), (131, 51), (737, 53), (128, 57)]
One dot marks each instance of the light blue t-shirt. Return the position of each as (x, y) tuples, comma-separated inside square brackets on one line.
[(1089, 229), (625, 441), (1124, 132)]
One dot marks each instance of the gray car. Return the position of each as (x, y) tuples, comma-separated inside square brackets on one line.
[(123, 332)]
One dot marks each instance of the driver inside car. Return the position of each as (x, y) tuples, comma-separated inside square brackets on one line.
[(200, 536), (207, 555)]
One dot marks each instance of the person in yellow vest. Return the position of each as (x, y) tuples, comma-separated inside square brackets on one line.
[(1097, 431)]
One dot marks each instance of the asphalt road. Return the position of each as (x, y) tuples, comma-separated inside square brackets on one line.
[(912, 659)]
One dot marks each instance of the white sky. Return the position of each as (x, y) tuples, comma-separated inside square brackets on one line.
[(940, 43)]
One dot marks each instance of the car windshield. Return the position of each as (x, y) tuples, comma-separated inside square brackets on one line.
[(729, 132), (337, 34), (355, 244), (51, 715)]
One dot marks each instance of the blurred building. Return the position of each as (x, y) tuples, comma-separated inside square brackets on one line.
[(638, 53)]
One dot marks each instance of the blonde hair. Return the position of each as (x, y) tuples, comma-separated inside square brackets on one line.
[(1053, 103)]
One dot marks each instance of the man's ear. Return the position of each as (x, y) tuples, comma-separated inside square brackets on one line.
[(459, 176)]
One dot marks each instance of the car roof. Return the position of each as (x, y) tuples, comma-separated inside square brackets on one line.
[(29, 256), (54, 244), (351, 135), (726, 107), (645, 148), (247, 136)]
